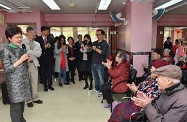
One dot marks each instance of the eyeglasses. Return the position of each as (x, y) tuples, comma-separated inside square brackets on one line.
[(18, 37), (98, 34)]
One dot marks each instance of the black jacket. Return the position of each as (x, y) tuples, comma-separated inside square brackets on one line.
[(47, 54)]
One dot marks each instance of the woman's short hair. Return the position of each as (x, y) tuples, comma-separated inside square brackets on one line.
[(87, 36), (12, 30), (71, 39), (159, 51), (122, 55)]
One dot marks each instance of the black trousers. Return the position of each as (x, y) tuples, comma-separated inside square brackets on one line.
[(72, 66), (106, 89), (86, 75), (46, 74), (80, 74), (16, 112)]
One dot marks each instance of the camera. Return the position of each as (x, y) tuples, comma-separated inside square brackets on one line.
[(85, 42)]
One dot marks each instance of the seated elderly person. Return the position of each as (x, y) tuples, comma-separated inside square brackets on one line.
[(171, 105), (124, 110), (156, 55), (117, 73), (167, 56)]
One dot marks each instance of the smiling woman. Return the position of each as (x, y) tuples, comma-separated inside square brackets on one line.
[(16, 73)]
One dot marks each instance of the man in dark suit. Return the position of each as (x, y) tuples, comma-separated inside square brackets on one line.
[(46, 58), (79, 56)]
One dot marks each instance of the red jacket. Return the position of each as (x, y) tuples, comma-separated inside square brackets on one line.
[(119, 73)]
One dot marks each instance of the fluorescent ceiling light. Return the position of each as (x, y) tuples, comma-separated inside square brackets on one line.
[(5, 6), (103, 5), (51, 4), (170, 3)]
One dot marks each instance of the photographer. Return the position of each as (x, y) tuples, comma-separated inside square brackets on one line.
[(86, 61)]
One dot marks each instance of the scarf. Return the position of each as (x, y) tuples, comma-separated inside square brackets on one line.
[(63, 62)]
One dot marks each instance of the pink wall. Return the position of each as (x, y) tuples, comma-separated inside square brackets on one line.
[(3, 27), (172, 20), (122, 32), (78, 20), (141, 27), (154, 34), (138, 60)]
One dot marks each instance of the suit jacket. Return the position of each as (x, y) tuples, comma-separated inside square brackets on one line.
[(47, 54), (78, 53)]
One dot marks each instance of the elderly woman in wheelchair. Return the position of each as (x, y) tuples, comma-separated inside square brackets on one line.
[(123, 111)]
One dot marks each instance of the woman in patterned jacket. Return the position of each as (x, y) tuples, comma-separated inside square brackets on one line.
[(16, 72)]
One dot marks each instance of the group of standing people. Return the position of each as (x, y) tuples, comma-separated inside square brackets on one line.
[(21, 59)]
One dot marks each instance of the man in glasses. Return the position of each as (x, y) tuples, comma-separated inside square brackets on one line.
[(100, 52)]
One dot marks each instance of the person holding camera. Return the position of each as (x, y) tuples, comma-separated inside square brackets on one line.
[(86, 49)]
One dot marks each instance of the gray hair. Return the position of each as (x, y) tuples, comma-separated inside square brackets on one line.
[(167, 50), (122, 55), (175, 81), (30, 29)]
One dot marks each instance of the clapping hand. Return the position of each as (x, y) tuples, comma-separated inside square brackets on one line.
[(107, 64), (141, 100), (132, 87)]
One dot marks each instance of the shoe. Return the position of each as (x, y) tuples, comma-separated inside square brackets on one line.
[(45, 89), (51, 88), (114, 104), (66, 84), (100, 94), (94, 91), (30, 104), (90, 88), (73, 81), (107, 105), (85, 87), (38, 101), (60, 84)]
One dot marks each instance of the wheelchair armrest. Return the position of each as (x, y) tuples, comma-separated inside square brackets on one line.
[(122, 99), (139, 115)]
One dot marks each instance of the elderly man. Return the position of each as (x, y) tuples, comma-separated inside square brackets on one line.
[(34, 50), (172, 105)]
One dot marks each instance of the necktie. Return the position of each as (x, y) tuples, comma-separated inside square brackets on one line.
[(45, 41)]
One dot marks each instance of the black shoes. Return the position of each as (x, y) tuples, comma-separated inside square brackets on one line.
[(85, 87), (51, 88), (38, 101), (90, 88), (73, 81), (30, 104), (60, 84), (45, 89)]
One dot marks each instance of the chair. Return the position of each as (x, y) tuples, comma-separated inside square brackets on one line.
[(132, 77)]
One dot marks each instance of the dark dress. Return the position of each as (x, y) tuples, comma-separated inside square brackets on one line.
[(71, 64)]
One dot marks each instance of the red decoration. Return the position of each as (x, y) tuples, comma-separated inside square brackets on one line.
[(178, 31)]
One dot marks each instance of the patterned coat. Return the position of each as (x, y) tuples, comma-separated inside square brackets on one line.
[(17, 79)]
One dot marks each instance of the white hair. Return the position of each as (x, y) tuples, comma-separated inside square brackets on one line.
[(175, 81)]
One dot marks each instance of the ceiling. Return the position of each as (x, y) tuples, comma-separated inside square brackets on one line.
[(88, 6)]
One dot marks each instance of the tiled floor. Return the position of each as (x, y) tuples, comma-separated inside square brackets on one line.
[(67, 104)]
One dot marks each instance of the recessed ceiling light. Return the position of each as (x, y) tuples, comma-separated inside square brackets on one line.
[(4, 6), (170, 3), (51, 4), (103, 5)]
